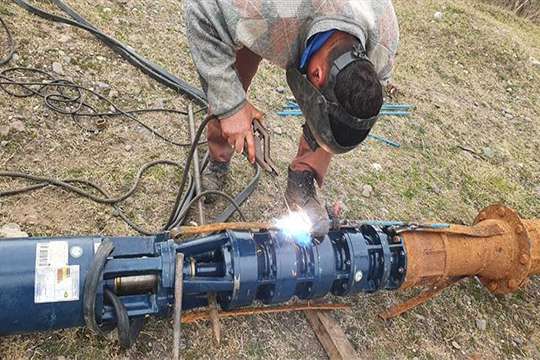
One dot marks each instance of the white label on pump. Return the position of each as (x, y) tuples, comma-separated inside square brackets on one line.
[(55, 280)]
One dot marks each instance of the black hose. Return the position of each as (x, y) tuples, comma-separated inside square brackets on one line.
[(10, 43), (93, 278), (128, 329), (149, 68), (73, 104)]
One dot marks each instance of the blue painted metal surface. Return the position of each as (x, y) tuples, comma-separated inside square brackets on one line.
[(240, 267)]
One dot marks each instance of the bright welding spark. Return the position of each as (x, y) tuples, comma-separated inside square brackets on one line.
[(296, 226)]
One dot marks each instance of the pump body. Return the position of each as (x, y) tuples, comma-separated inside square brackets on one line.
[(42, 280)]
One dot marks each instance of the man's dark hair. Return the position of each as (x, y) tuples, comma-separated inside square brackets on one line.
[(359, 91)]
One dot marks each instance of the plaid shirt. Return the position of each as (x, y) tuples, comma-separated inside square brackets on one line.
[(277, 30)]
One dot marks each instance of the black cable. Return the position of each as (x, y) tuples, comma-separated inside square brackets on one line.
[(223, 195), (149, 68), (74, 105), (68, 187), (93, 278), (53, 92), (128, 329), (10, 43)]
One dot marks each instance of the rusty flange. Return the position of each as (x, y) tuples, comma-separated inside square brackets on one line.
[(520, 239)]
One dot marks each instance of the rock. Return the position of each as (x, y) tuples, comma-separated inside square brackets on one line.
[(160, 104), (64, 38), (18, 125), (367, 191), (12, 231), (481, 324), (113, 93), (4, 130), (376, 167), (456, 345), (438, 16), (278, 130), (103, 86), (420, 317), (280, 90), (4, 143), (534, 62), (128, 147), (15, 57), (57, 68), (488, 152)]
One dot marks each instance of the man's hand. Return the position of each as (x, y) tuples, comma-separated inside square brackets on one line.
[(238, 129)]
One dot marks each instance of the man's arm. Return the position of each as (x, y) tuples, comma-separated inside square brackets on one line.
[(214, 55)]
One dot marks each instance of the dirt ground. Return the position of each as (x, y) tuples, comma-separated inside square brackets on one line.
[(473, 76)]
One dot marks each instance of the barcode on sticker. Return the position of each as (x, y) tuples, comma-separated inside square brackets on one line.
[(43, 255), (55, 280), (52, 253)]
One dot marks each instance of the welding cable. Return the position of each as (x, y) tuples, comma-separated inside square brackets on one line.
[(155, 72), (220, 194), (91, 283), (10, 44), (98, 199), (149, 68), (76, 101), (128, 329)]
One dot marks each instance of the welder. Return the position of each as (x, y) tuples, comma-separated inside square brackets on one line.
[(338, 55)]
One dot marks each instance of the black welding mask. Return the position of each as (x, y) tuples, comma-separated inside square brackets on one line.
[(323, 112)]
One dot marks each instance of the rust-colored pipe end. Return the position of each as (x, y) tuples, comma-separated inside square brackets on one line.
[(500, 248)]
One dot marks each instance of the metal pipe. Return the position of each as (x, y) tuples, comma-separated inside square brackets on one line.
[(196, 166), (501, 249), (132, 285), (178, 294)]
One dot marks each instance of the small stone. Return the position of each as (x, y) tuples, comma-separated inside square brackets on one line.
[(509, 89), (18, 125), (456, 345), (534, 62), (488, 152), (280, 90), (367, 191), (420, 317), (128, 147), (4, 130), (4, 143), (113, 93), (376, 167), (12, 231), (481, 324), (160, 104), (64, 38), (438, 16), (57, 68), (103, 86), (15, 57), (278, 130)]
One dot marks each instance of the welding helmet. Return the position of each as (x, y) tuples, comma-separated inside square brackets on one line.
[(322, 109)]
